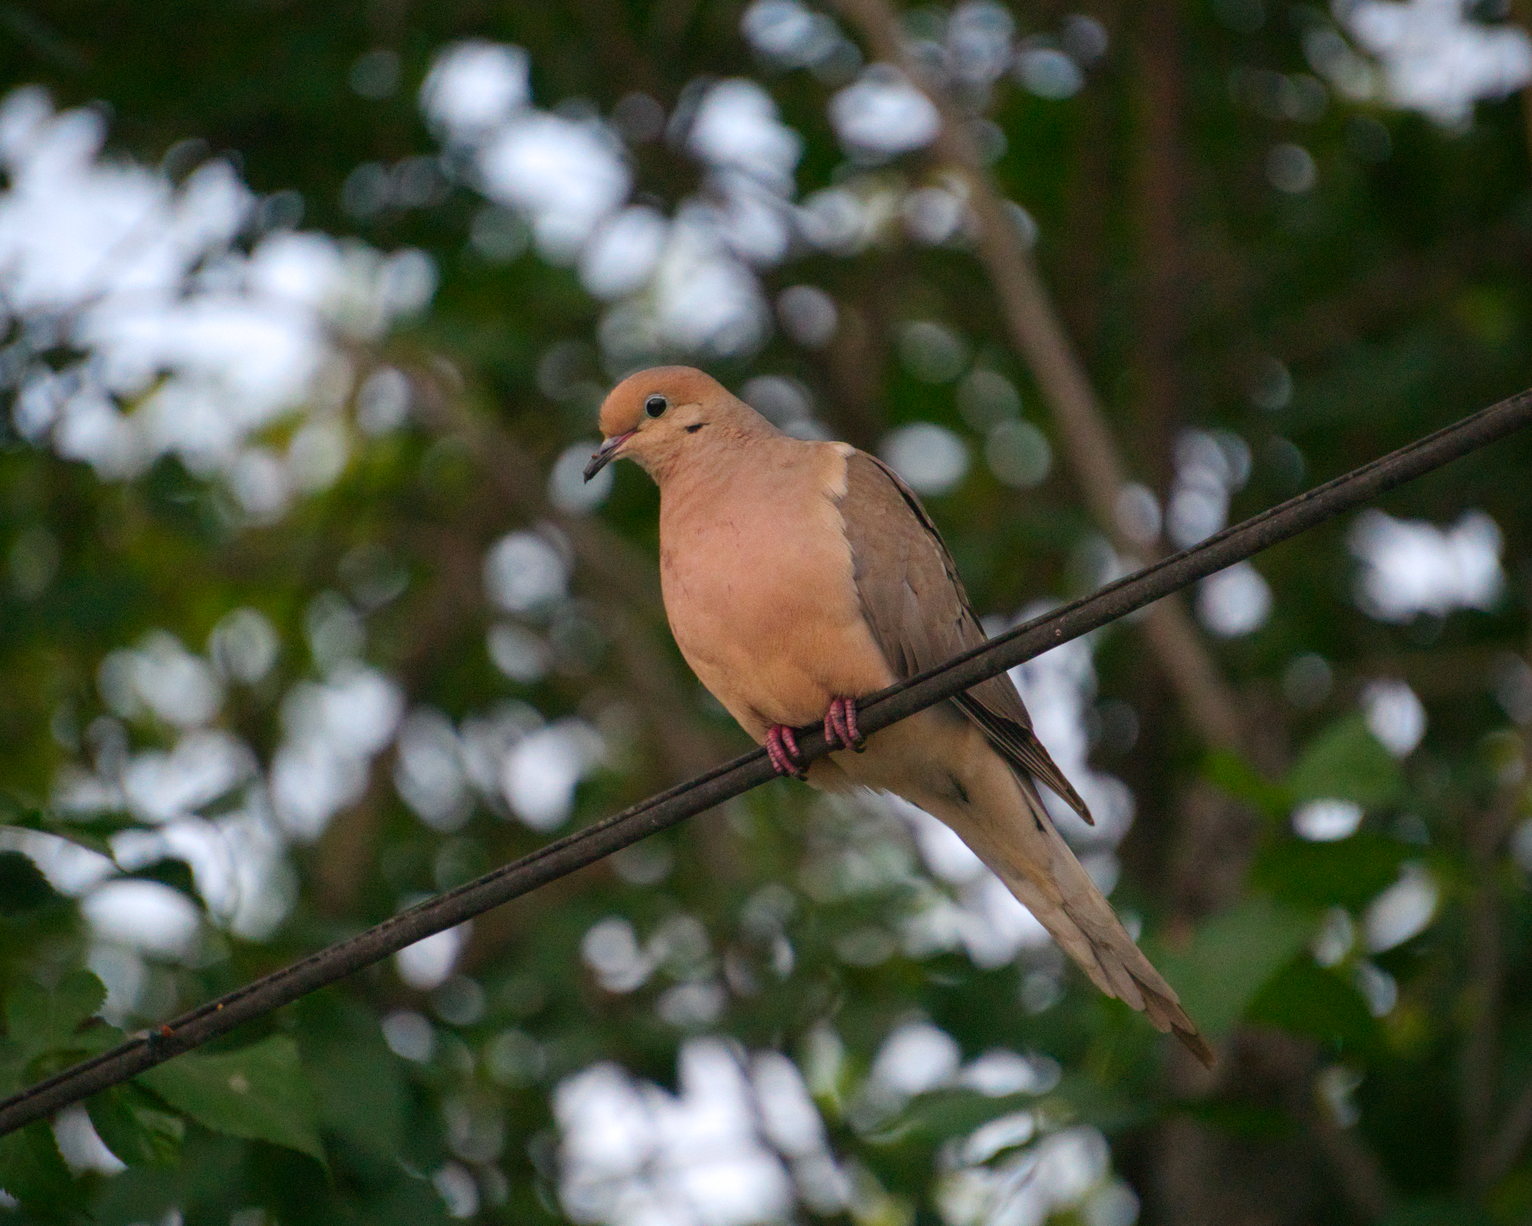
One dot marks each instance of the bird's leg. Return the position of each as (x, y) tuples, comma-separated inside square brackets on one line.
[(782, 749), (841, 732), (840, 726)]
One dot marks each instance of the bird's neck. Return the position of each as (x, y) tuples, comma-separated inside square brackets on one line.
[(719, 457)]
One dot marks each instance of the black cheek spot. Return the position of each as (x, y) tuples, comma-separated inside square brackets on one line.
[(694, 428)]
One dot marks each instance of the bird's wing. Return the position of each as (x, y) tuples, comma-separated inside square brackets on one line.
[(919, 614)]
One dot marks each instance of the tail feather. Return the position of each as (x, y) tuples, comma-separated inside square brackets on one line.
[(945, 765), (1043, 873), (1083, 923)]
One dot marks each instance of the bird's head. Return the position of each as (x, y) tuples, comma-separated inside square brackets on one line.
[(655, 416)]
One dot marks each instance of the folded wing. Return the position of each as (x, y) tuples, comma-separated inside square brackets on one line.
[(914, 601)]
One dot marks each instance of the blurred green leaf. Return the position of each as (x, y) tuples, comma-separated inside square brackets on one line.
[(356, 1081), (1346, 762), (1231, 957), (170, 871), (230, 801), (135, 1127), (91, 830), (12, 1063), (1308, 999), (1437, 1213), (404, 1201), (1245, 1120), (1233, 773), (944, 1114), (259, 1092), (17, 811), (22, 885), (1347, 872), (41, 1018), (32, 1170), (1107, 1106)]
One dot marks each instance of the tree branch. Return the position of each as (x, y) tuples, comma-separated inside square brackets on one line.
[(1487, 1153)]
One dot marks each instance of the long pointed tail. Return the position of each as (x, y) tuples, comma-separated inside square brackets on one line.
[(1084, 924), (1035, 863)]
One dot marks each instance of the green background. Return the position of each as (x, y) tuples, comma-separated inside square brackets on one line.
[(1253, 247)]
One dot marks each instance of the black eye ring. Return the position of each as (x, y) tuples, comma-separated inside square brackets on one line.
[(656, 405)]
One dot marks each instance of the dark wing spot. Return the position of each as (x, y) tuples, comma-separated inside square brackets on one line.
[(958, 789)]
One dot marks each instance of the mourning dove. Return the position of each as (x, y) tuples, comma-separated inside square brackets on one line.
[(800, 576)]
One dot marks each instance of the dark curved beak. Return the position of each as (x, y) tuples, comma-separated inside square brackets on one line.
[(606, 453)]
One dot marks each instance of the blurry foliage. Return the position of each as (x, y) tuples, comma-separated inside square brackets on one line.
[(1248, 259)]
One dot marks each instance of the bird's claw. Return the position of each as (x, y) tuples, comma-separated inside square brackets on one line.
[(841, 730), (782, 749)]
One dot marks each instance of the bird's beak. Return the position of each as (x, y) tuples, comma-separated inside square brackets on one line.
[(606, 453)]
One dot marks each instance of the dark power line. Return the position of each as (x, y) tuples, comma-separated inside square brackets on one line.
[(613, 833)]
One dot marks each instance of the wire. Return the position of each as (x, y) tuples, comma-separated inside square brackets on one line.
[(601, 838)]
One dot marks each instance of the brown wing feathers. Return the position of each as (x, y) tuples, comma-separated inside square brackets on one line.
[(914, 601)]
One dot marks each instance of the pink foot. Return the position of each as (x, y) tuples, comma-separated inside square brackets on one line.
[(782, 749), (840, 726)]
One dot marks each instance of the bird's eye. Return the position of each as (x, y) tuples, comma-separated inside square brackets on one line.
[(656, 405)]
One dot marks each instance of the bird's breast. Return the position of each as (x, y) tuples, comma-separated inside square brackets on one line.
[(759, 590)]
